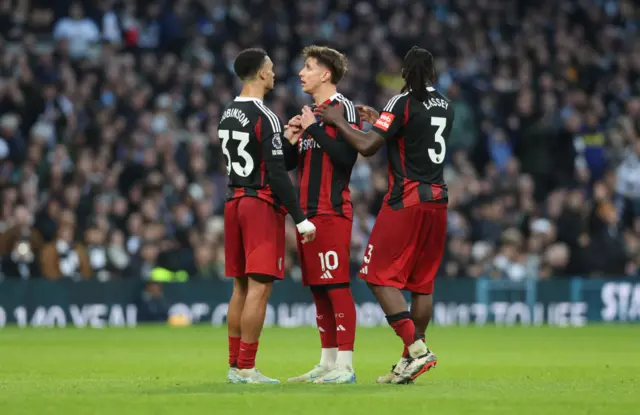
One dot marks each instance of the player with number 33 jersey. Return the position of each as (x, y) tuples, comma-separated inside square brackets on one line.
[(259, 192)]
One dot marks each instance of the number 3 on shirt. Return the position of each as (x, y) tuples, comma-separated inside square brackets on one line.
[(441, 123), (243, 138), (367, 255)]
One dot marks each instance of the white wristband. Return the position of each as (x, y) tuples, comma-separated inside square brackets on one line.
[(305, 226)]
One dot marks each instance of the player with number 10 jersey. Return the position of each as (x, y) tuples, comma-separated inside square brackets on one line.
[(324, 161)]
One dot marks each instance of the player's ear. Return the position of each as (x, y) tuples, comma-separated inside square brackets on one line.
[(326, 76), (262, 73)]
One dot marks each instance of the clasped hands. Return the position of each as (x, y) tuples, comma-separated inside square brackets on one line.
[(296, 125), (329, 114)]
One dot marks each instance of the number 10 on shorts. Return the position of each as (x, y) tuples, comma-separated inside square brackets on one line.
[(328, 260)]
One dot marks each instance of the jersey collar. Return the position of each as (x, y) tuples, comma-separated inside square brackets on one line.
[(330, 99)]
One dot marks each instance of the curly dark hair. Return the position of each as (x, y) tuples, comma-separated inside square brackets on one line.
[(418, 72)]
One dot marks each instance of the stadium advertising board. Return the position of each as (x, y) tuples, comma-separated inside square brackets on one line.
[(90, 304)]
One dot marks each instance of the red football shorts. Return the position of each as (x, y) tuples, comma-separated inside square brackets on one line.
[(406, 247), (253, 238), (325, 260)]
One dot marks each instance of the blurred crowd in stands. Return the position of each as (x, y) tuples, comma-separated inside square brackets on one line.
[(110, 164)]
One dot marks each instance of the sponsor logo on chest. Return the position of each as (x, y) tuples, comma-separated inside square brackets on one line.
[(307, 143)]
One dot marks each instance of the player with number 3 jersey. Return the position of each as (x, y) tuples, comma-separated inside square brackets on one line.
[(407, 242)]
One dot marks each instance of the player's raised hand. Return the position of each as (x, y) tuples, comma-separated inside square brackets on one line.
[(292, 134), (308, 118), (367, 113), (295, 121), (307, 230), (294, 126), (330, 114)]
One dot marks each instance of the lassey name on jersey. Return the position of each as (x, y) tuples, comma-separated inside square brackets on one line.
[(436, 102), (384, 121)]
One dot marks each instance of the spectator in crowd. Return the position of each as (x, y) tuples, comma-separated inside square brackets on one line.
[(19, 245), (77, 31), (63, 258), (109, 111)]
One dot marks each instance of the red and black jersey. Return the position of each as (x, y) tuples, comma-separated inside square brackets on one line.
[(251, 136), (325, 161), (416, 134)]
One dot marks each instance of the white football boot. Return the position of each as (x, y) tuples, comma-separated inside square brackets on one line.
[(342, 371), (396, 370), (422, 359), (314, 374), (232, 375), (340, 374), (328, 358), (253, 376)]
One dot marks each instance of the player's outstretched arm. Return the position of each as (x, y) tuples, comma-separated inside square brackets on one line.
[(289, 148), (366, 144), (367, 113), (282, 187), (339, 152)]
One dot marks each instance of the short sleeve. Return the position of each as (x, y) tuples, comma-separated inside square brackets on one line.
[(391, 118), (351, 114), (271, 136)]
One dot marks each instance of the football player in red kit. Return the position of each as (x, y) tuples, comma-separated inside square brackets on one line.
[(407, 242), (254, 226), (324, 161)]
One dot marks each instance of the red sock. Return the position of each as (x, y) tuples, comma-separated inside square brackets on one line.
[(344, 310), (234, 350), (247, 355), (325, 319), (404, 327)]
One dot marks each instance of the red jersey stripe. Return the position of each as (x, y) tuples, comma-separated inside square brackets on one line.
[(258, 131), (324, 200), (303, 178), (436, 190)]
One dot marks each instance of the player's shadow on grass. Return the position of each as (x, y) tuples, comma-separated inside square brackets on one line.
[(214, 388)]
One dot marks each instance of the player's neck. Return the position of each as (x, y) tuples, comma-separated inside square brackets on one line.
[(323, 93), (252, 91)]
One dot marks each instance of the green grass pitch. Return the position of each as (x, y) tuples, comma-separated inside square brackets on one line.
[(162, 370)]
